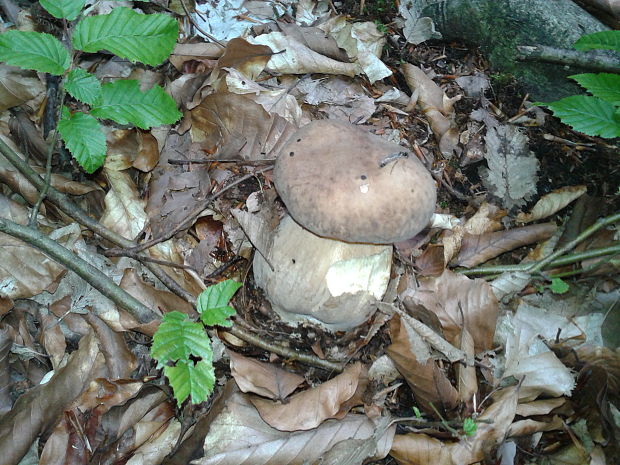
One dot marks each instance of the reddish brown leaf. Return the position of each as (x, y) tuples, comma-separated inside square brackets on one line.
[(310, 408), (479, 249), (461, 302), (264, 379), (427, 381)]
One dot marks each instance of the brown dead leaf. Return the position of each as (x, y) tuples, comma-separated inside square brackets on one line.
[(146, 293), (233, 126), (552, 203), (52, 338), (238, 436), (247, 58), (40, 407), (264, 379), (131, 148), (293, 57), (310, 408), (427, 381), (120, 361), (461, 302), (202, 51), (466, 374), (26, 271), (124, 209), (18, 86), (315, 39), (529, 427), (416, 449), (479, 249), (431, 262)]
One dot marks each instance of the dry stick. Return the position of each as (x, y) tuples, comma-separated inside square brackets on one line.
[(82, 268), (67, 206), (191, 217), (435, 340)]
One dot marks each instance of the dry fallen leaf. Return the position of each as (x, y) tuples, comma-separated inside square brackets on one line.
[(238, 436), (264, 379), (461, 302), (481, 248), (308, 409), (552, 203), (427, 381), (416, 449)]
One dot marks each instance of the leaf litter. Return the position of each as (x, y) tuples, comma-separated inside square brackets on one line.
[(535, 368)]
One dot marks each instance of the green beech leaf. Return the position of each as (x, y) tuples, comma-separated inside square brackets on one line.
[(469, 426), (177, 338), (68, 9), (605, 86), (148, 39), (34, 50), (213, 305), (83, 86), (590, 115), (123, 102), (84, 138), (192, 380), (602, 40), (559, 286)]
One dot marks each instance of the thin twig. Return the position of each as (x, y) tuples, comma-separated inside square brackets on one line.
[(435, 340), (201, 30), (82, 268), (48, 164), (284, 351), (176, 161)]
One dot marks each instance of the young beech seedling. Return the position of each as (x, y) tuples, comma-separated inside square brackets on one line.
[(183, 348)]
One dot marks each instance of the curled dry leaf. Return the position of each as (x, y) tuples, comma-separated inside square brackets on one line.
[(436, 106), (308, 409), (238, 436), (264, 379), (18, 86), (509, 283), (486, 219), (40, 407), (552, 203), (124, 208), (479, 249), (412, 359), (460, 302), (249, 59), (416, 449), (292, 57)]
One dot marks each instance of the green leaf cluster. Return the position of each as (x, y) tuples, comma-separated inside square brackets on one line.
[(597, 114), (183, 348), (147, 39)]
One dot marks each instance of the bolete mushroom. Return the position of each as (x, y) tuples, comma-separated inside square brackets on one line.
[(342, 182), (348, 191)]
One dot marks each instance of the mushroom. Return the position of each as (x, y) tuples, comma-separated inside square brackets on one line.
[(347, 191)]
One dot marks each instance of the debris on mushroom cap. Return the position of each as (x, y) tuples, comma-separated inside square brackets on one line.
[(332, 283), (340, 181)]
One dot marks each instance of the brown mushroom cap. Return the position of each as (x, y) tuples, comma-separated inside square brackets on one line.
[(342, 182)]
